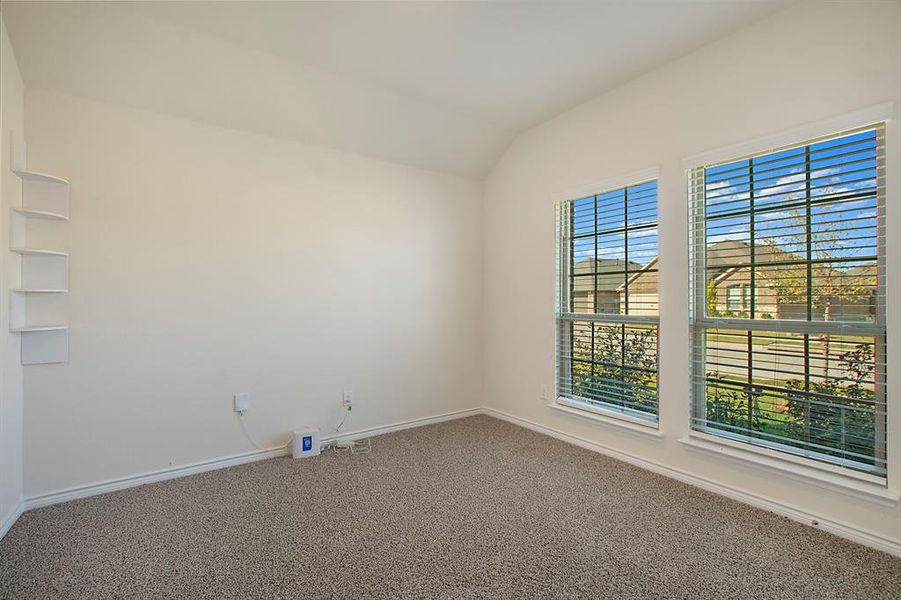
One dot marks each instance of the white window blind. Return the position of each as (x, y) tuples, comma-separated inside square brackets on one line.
[(795, 363), (607, 300)]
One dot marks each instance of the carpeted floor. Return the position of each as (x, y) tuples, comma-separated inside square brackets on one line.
[(464, 509)]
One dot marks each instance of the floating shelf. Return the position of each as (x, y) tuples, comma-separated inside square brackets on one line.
[(40, 214), (42, 177), (36, 252), (33, 328), (43, 273)]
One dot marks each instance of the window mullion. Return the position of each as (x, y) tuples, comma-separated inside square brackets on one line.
[(626, 251), (751, 251), (808, 233), (594, 298)]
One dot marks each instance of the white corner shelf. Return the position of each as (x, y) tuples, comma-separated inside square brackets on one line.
[(26, 175), (36, 328), (40, 214), (37, 252), (44, 273), (44, 344)]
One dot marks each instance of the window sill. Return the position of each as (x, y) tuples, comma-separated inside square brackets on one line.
[(861, 485), (607, 417)]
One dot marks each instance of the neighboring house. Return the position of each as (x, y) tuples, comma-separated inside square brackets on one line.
[(844, 295), (610, 274), (643, 292)]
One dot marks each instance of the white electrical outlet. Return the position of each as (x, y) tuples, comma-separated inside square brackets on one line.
[(347, 398), (242, 403)]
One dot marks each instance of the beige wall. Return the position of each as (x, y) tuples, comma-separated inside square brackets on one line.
[(206, 261), (12, 118), (808, 62)]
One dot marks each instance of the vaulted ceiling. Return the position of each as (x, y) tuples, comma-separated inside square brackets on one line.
[(439, 85)]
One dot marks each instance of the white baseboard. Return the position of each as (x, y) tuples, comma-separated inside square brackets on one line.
[(11, 518), (844, 530), (112, 485), (382, 429), (122, 483)]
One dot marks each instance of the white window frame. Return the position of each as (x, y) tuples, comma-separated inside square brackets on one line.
[(621, 418), (880, 487)]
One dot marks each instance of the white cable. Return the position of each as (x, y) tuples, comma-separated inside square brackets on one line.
[(359, 447), (353, 446), (250, 438), (343, 419)]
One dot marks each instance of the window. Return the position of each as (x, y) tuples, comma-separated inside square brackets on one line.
[(733, 297), (800, 367), (607, 301)]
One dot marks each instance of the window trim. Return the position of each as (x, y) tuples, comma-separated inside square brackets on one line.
[(610, 416), (762, 454), (877, 113), (826, 475), (609, 184)]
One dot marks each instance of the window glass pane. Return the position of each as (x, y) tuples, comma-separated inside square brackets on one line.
[(615, 365), (613, 244), (733, 297), (611, 210), (814, 394), (794, 236), (583, 217), (643, 291), (802, 225), (608, 252)]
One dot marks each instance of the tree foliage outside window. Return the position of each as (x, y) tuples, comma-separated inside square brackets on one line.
[(620, 368), (832, 414)]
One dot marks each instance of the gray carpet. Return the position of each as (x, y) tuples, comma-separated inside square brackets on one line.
[(464, 509)]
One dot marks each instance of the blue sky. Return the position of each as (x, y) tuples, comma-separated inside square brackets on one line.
[(838, 168), (611, 217)]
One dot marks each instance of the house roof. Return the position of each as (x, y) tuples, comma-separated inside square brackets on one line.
[(651, 264), (610, 273), (864, 276), (728, 257)]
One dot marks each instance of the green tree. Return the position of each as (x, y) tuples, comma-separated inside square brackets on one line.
[(711, 298), (739, 408), (829, 285)]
